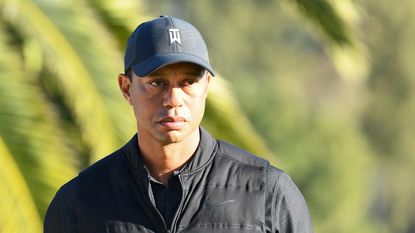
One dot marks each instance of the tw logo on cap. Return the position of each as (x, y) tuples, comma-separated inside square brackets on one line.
[(174, 35)]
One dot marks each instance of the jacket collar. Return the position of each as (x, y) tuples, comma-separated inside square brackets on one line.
[(201, 157)]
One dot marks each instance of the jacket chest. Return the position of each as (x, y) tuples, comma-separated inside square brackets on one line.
[(217, 209), (218, 199), (224, 208)]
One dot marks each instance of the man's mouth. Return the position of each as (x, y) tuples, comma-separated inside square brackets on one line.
[(173, 122)]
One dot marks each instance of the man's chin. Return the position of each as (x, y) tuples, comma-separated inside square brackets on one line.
[(175, 136), (172, 136)]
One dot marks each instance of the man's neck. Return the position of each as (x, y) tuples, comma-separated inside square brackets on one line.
[(163, 159)]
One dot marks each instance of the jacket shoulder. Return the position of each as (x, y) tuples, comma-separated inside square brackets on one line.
[(103, 165), (97, 178), (239, 155)]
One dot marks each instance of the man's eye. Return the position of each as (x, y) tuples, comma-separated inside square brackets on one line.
[(156, 83), (189, 82)]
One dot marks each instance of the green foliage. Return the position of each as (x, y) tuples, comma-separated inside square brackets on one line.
[(322, 13), (32, 144), (18, 212), (388, 118), (224, 119)]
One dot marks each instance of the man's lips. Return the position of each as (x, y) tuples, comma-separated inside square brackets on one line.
[(173, 122)]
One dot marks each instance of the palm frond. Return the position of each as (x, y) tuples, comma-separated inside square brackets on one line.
[(73, 78), (30, 130), (224, 119), (324, 15), (18, 212), (338, 20), (119, 17)]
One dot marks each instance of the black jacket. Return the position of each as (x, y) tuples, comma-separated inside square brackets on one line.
[(225, 189)]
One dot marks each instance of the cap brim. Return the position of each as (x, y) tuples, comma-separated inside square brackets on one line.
[(156, 62)]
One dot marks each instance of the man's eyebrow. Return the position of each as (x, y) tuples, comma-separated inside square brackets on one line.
[(156, 73)]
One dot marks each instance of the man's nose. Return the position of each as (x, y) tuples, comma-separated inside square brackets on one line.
[(173, 97)]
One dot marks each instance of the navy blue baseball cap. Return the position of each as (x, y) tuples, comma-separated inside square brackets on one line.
[(164, 41)]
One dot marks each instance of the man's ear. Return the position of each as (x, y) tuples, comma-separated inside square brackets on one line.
[(209, 76), (125, 86)]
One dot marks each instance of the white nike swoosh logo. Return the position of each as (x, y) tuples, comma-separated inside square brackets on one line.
[(208, 205)]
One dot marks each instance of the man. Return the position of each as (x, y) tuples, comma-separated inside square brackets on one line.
[(172, 176)]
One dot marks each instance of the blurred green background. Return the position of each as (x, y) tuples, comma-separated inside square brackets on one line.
[(325, 89)]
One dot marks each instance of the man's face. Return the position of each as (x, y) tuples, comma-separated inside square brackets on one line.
[(169, 103)]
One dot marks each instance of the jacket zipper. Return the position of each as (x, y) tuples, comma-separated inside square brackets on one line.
[(179, 209), (151, 202), (154, 208)]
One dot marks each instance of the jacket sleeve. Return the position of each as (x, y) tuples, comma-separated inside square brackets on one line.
[(61, 215), (290, 212)]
